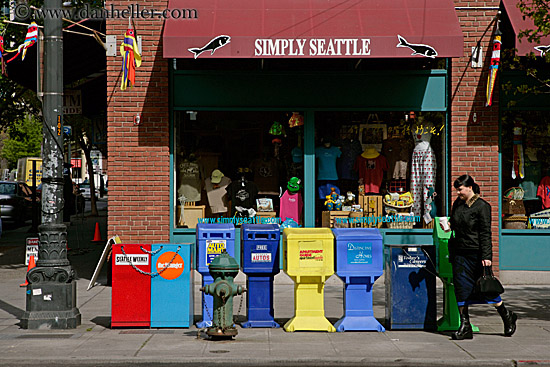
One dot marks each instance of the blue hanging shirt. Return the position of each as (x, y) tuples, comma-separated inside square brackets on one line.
[(327, 162)]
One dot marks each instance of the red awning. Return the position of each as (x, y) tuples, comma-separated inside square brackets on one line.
[(519, 24), (313, 28)]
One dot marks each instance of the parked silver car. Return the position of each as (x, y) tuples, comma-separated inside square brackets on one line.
[(86, 191), (15, 202)]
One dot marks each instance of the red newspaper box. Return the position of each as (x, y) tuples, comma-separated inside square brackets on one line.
[(131, 286)]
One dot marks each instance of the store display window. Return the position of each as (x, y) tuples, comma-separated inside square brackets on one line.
[(379, 169), (525, 181), (238, 167), (372, 169)]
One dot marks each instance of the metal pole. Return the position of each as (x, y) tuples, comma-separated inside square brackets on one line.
[(53, 277)]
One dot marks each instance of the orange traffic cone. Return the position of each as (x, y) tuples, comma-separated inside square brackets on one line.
[(97, 234), (32, 264)]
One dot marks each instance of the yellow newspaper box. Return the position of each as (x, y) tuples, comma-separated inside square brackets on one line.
[(309, 260)]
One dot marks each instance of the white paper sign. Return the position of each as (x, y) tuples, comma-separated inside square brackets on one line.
[(121, 259), (31, 249)]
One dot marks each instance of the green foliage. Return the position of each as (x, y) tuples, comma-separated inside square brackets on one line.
[(533, 66), (25, 140), (539, 12)]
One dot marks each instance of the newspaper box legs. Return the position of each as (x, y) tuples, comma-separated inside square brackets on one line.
[(359, 262), (309, 261), (260, 263), (212, 240)]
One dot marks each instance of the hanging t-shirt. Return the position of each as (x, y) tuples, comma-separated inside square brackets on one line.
[(327, 162), (216, 194), (291, 206), (371, 171), (350, 150), (532, 177), (242, 194), (397, 152), (543, 192), (266, 176), (190, 181)]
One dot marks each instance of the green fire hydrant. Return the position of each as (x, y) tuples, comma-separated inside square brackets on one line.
[(223, 269)]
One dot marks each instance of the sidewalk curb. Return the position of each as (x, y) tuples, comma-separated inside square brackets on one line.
[(201, 362)]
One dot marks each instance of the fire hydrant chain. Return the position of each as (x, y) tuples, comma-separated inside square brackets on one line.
[(239, 310)]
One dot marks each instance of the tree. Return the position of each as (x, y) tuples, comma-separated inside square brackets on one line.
[(534, 66), (25, 139), (539, 12), (81, 127)]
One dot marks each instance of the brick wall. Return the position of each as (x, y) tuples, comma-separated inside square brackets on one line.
[(474, 145), (139, 156)]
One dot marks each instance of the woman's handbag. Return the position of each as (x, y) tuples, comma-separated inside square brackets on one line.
[(488, 285)]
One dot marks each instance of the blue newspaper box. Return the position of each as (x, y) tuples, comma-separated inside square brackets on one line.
[(212, 239), (260, 259), (359, 262), (410, 287), (172, 285)]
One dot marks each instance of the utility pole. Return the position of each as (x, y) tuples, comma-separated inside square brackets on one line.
[(51, 292)]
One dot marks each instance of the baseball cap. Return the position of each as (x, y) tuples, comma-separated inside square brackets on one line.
[(216, 176)]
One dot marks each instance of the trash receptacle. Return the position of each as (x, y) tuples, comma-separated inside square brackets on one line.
[(172, 285), (450, 321), (410, 287), (131, 286), (212, 239), (309, 261), (260, 263), (359, 262)]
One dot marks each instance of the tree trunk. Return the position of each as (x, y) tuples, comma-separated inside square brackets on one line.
[(87, 149)]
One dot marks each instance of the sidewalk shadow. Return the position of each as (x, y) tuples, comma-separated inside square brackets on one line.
[(17, 312), (104, 321)]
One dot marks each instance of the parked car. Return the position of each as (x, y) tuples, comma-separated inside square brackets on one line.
[(16, 202), (85, 190)]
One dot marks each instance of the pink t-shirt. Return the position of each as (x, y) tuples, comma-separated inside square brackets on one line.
[(291, 206), (543, 192)]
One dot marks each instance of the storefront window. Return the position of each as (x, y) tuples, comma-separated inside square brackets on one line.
[(231, 166), (387, 168), (525, 170)]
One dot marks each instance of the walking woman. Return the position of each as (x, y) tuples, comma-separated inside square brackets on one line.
[(470, 250)]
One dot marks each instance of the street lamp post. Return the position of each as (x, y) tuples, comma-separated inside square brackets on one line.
[(51, 292)]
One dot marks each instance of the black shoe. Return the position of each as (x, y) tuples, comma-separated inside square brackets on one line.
[(510, 323), (465, 330)]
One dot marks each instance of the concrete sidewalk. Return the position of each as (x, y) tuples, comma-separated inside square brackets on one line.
[(95, 344)]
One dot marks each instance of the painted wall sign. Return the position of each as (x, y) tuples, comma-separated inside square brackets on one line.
[(213, 249), (359, 253), (312, 47)]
